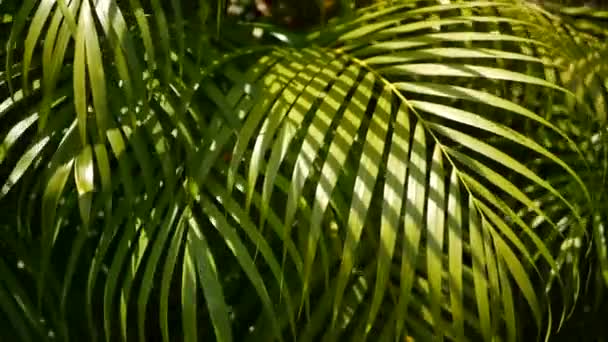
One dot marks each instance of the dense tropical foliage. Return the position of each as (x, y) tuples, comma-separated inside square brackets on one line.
[(406, 170)]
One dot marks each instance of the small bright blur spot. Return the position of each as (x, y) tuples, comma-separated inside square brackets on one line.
[(20, 264), (51, 334), (281, 37), (251, 328), (333, 227), (257, 32), (247, 88), (235, 9)]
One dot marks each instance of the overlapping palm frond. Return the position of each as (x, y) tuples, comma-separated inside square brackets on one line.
[(99, 111), (368, 184), (580, 50), (375, 103)]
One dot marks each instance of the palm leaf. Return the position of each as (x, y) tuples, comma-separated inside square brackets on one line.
[(368, 50)]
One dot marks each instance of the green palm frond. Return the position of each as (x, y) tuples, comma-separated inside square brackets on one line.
[(385, 77), (388, 178)]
